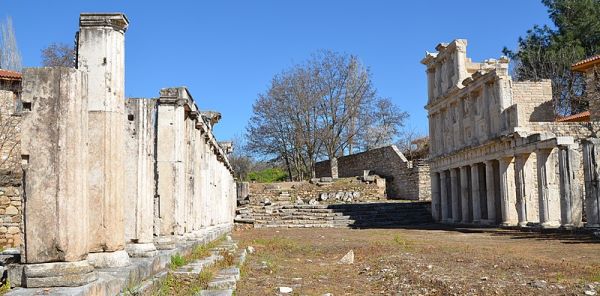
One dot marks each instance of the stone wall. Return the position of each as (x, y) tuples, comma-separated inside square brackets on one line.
[(534, 101), (404, 178), (11, 211), (336, 191)]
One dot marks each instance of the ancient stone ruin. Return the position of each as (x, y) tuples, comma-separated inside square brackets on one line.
[(107, 181), (498, 156), (405, 179)]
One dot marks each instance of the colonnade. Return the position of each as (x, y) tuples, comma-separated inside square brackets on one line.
[(531, 187)]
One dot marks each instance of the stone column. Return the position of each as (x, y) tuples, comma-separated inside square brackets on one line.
[(490, 186), (101, 53), (464, 193), (570, 192), (140, 177), (521, 184), (444, 196), (548, 191), (170, 158), (435, 196), (507, 191), (54, 151), (475, 192), (455, 192), (591, 158)]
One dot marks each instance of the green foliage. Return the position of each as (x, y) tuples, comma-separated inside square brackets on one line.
[(268, 175), (5, 287), (547, 53), (177, 261)]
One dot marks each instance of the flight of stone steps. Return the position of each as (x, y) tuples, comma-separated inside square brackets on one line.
[(357, 215)]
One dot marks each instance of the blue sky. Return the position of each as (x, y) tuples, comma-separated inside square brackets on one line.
[(226, 52)]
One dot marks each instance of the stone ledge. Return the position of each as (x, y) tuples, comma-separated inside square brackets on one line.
[(113, 281)]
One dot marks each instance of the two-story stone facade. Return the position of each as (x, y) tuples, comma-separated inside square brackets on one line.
[(497, 154)]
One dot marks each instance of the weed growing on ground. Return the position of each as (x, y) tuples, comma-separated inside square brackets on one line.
[(177, 261), (5, 287), (403, 242), (204, 278)]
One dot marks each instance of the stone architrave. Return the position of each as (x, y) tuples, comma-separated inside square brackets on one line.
[(54, 151), (591, 160), (140, 178), (101, 53)]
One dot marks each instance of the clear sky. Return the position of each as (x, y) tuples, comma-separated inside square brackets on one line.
[(226, 52)]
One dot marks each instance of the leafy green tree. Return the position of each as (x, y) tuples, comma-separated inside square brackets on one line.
[(548, 53)]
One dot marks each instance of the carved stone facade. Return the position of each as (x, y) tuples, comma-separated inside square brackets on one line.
[(108, 178), (497, 154)]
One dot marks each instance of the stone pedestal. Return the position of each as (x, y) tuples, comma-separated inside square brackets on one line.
[(101, 53), (109, 259), (54, 152)]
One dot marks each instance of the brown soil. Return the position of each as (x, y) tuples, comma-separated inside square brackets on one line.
[(441, 261)]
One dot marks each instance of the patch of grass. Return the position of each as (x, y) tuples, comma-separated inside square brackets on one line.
[(403, 242), (560, 277), (5, 287), (177, 261), (268, 175), (204, 278)]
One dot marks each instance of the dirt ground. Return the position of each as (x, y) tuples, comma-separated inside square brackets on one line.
[(419, 262)]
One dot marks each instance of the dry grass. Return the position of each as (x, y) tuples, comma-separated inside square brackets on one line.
[(413, 261)]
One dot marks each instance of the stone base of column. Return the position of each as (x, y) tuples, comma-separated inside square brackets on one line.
[(550, 224), (57, 274), (109, 259), (593, 226), (508, 224), (141, 250), (522, 224), (487, 222), (568, 226), (165, 242)]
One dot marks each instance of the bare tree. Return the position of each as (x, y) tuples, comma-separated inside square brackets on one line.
[(58, 55), (386, 121), (10, 56), (413, 144), (319, 109)]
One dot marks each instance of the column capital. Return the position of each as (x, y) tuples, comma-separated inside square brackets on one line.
[(118, 21)]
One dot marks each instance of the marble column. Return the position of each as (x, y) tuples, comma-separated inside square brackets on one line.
[(455, 193), (464, 193), (54, 152), (435, 196), (548, 191), (491, 187), (140, 177), (101, 53), (444, 196), (521, 185), (591, 158), (475, 192), (170, 157), (507, 191), (570, 191)]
